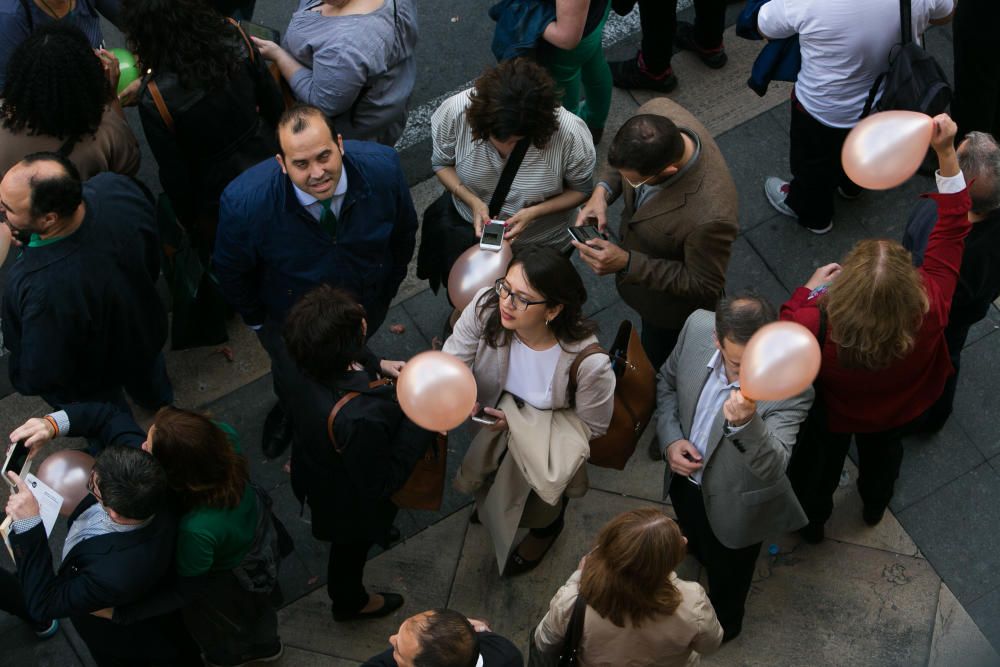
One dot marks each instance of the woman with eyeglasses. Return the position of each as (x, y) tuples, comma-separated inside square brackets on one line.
[(520, 339)]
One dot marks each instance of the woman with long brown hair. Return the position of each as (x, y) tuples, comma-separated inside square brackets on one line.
[(638, 611), (880, 323)]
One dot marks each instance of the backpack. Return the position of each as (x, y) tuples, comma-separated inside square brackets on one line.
[(635, 397), (914, 80)]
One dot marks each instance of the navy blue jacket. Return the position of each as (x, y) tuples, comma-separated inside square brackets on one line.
[(779, 60), (269, 251), (81, 315)]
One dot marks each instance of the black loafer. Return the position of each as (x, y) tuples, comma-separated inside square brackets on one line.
[(872, 515), (390, 603), (629, 74), (812, 533)]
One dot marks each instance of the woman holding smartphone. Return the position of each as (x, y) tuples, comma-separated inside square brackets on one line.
[(520, 338)]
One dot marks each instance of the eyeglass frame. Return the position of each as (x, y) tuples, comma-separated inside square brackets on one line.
[(501, 285)]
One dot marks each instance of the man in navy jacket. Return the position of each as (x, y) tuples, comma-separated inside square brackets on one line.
[(325, 211)]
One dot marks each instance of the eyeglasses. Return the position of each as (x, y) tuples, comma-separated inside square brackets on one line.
[(92, 486), (504, 292), (636, 185)]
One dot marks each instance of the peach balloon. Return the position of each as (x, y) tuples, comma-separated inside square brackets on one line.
[(67, 472), (4, 242), (885, 149), (474, 270), (779, 362), (436, 390)]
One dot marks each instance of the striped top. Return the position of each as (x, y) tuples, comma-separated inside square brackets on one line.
[(566, 162)]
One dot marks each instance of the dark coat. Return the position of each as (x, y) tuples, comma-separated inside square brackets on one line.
[(106, 571), (269, 251), (82, 315), (779, 60), (348, 493), (218, 133)]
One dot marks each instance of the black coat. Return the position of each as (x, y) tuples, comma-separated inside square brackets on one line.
[(348, 493), (107, 571), (83, 314)]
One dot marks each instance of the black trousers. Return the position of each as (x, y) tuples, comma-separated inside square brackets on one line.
[(730, 571), (819, 456), (658, 19), (814, 157), (344, 573), (12, 598), (976, 105), (658, 343)]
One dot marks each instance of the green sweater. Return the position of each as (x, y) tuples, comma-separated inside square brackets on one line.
[(212, 540)]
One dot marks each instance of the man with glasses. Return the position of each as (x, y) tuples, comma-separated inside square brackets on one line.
[(82, 317), (678, 225), (119, 548)]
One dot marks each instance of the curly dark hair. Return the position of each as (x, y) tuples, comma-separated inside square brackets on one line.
[(557, 280), (324, 332), (185, 37), (55, 85), (517, 98)]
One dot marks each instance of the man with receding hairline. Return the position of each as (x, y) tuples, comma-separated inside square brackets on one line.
[(324, 211), (81, 314)]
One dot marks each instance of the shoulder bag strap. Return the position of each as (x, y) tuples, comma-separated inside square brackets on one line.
[(574, 633), (507, 177), (246, 40), (68, 146), (161, 105), (905, 22), (339, 405), (574, 369)]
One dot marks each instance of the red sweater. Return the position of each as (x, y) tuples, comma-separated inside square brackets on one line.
[(863, 401)]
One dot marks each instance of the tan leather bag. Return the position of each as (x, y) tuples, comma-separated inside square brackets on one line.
[(635, 397), (424, 490)]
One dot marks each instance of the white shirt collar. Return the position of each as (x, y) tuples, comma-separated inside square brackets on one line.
[(716, 364), (308, 200), (479, 660)]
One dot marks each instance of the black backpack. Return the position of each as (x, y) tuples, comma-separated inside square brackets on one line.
[(914, 80)]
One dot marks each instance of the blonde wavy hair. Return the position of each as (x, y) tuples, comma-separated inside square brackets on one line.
[(627, 575), (876, 305)]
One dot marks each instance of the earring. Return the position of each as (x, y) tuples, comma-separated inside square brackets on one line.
[(547, 322)]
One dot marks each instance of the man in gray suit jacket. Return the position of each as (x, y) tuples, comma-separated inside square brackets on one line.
[(726, 454)]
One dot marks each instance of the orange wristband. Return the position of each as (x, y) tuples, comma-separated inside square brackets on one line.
[(52, 422)]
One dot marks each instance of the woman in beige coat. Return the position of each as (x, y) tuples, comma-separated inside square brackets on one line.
[(520, 338), (638, 612)]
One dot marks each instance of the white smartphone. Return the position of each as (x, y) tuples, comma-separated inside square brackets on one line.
[(492, 238)]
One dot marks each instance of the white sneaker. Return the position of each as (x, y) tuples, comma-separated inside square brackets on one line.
[(777, 191)]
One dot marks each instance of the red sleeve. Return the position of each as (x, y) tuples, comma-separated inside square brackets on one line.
[(800, 308), (943, 256)]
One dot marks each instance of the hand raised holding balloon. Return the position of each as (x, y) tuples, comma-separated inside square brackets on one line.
[(738, 409), (21, 505), (945, 129), (823, 275)]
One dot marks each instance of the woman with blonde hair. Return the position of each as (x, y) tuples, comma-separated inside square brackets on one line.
[(880, 323), (638, 611)]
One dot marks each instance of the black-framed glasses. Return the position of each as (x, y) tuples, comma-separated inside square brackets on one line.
[(504, 292)]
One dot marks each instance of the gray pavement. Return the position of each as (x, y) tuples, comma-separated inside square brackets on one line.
[(923, 588)]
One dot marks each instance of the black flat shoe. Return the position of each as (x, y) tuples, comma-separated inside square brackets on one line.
[(277, 433), (518, 564), (813, 533), (390, 603)]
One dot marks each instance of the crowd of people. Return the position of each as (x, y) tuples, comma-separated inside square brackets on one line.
[(278, 161)]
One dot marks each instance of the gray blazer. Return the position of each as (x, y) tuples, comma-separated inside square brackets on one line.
[(747, 495), (595, 393)]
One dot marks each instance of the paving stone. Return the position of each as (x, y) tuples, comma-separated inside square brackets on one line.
[(398, 346), (957, 639), (417, 569), (295, 657), (428, 311), (930, 461), (21, 647), (879, 611), (984, 327), (958, 530), (748, 271), (985, 611), (423, 193), (976, 399), (642, 478)]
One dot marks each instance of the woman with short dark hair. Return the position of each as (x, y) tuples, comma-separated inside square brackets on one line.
[(474, 134), (57, 98), (638, 612)]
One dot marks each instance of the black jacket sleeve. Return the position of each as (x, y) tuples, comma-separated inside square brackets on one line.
[(109, 423)]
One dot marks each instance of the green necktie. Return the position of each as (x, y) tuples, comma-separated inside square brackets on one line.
[(328, 219)]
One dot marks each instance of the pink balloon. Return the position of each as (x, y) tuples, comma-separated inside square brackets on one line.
[(436, 391), (4, 242), (67, 472), (779, 362), (885, 149), (474, 270)]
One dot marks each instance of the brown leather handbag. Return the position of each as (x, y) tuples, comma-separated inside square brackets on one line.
[(635, 397), (424, 490)]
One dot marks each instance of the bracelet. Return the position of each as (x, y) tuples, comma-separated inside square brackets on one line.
[(53, 424)]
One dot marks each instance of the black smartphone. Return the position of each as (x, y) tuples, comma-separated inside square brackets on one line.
[(584, 233), (261, 31), (482, 418), (17, 456)]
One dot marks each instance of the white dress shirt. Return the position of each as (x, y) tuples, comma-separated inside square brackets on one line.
[(312, 204), (713, 395)]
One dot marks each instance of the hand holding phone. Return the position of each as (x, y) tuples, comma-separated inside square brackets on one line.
[(481, 417), (584, 233), (492, 238), (17, 456)]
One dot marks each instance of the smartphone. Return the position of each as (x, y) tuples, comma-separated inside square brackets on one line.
[(482, 418), (261, 31), (584, 233), (16, 458), (492, 238)]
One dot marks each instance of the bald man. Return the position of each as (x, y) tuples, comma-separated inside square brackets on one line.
[(81, 314)]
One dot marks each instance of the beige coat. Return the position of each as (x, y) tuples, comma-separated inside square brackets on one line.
[(681, 238), (665, 641)]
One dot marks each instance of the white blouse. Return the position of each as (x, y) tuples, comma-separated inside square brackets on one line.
[(530, 373)]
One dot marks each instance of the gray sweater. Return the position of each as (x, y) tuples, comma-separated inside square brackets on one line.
[(359, 69)]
